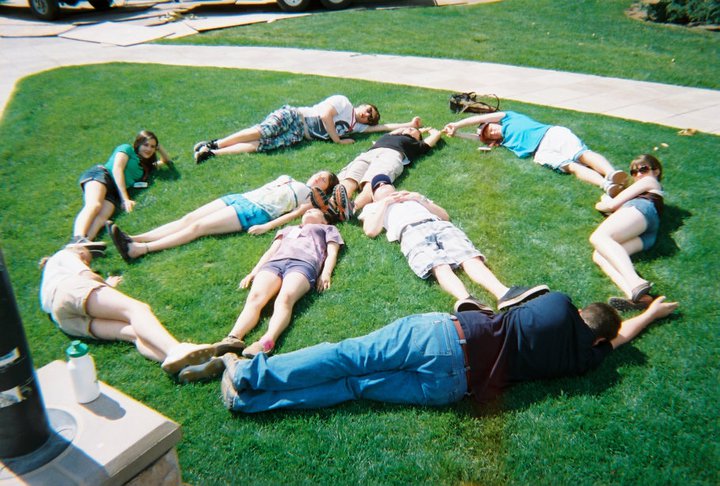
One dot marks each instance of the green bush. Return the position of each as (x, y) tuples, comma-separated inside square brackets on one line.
[(684, 11)]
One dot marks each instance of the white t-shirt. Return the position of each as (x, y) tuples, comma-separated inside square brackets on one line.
[(398, 215), (59, 267), (345, 121), (280, 196)]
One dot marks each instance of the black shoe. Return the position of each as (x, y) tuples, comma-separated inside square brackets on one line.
[(471, 304), (625, 305), (319, 199), (122, 242), (203, 154), (517, 295), (208, 370)]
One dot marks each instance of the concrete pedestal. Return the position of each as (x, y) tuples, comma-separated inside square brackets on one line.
[(115, 439)]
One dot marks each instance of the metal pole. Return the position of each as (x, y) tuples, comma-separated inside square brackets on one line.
[(24, 425)]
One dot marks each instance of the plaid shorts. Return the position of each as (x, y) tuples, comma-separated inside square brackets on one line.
[(433, 243), (281, 128)]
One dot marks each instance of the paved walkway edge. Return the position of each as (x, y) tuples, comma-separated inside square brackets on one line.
[(668, 105)]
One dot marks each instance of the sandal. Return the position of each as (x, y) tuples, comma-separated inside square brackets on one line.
[(262, 346)]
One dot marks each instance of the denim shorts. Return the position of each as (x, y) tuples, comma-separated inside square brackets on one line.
[(652, 219), (99, 173), (248, 213), (281, 128), (288, 265)]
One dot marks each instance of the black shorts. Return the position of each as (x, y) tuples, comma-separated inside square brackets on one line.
[(100, 174)]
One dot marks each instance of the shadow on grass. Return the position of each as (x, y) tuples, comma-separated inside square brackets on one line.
[(169, 173)]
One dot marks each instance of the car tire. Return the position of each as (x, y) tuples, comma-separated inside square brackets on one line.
[(336, 4), (294, 5), (101, 4), (45, 9)]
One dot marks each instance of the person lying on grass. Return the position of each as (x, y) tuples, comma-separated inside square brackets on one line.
[(331, 119), (389, 155), (300, 258), (434, 246), (85, 305), (436, 359), (105, 187), (257, 212), (631, 227), (554, 147)]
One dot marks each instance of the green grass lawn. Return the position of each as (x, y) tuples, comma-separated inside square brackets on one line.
[(648, 415), (586, 36)]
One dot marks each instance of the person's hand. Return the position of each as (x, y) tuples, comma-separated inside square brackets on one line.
[(346, 141), (658, 308), (323, 283), (128, 205), (603, 206), (450, 129), (416, 122), (113, 280), (246, 281), (258, 229)]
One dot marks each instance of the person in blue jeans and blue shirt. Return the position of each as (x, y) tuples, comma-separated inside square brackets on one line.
[(437, 358)]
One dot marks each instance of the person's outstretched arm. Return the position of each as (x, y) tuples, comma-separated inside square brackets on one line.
[(416, 122), (474, 120), (433, 137), (634, 326), (260, 229)]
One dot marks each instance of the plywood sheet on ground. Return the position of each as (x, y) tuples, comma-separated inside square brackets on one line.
[(119, 34)]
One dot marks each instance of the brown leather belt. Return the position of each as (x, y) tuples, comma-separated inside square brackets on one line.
[(463, 346)]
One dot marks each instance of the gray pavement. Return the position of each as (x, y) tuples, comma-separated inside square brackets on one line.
[(672, 106)]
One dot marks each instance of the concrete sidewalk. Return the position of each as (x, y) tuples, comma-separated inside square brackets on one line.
[(667, 105)]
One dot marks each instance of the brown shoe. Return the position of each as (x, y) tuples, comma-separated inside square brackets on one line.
[(203, 371), (186, 354), (229, 344)]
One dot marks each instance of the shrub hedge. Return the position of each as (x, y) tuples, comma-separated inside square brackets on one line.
[(684, 11)]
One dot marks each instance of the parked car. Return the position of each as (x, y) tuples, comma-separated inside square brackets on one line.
[(49, 9)]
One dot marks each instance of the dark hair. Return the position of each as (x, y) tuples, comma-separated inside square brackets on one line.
[(649, 160), (374, 117), (332, 181), (331, 218), (148, 164), (603, 320)]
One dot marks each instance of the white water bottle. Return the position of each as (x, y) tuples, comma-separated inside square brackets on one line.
[(82, 372)]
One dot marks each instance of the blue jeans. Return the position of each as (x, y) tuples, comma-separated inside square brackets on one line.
[(414, 360)]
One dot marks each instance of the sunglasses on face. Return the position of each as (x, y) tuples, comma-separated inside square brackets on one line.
[(643, 169)]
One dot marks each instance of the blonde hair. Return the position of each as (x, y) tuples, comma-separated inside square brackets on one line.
[(83, 253)]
